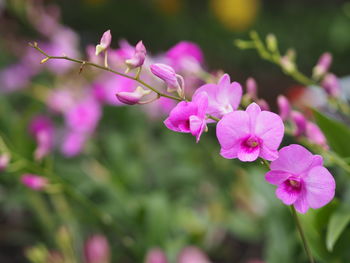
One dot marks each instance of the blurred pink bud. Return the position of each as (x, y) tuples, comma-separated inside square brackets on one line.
[(156, 255), (263, 104), (42, 129), (34, 182), (4, 161), (73, 143), (192, 255), (96, 250), (315, 135), (138, 58), (251, 87), (299, 122), (330, 84), (284, 107), (104, 42), (322, 65), (134, 97), (167, 74)]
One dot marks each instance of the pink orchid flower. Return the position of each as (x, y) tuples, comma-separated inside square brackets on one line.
[(223, 97), (250, 134), (189, 117), (34, 181), (301, 179), (42, 129)]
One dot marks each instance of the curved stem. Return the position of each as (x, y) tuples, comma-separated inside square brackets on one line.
[(86, 63), (302, 235)]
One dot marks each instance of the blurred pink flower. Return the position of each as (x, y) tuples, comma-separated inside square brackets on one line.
[(223, 97), (192, 255), (248, 134), (315, 135), (138, 58), (42, 129), (284, 107), (105, 42), (301, 179), (330, 84), (299, 122), (60, 100), (97, 250), (322, 65), (73, 143), (156, 255), (34, 181), (251, 88), (189, 117)]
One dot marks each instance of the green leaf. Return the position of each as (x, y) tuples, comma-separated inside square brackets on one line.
[(337, 223), (337, 133)]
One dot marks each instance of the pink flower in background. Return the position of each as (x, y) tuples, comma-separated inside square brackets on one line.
[(73, 143), (138, 58), (105, 42), (84, 116), (301, 179), (34, 181), (97, 250), (263, 104), (284, 107), (134, 97), (42, 129), (189, 117), (125, 51), (331, 85), (156, 255), (60, 100), (315, 135), (299, 122), (250, 134), (10, 80), (223, 97), (252, 89), (192, 255), (4, 161)]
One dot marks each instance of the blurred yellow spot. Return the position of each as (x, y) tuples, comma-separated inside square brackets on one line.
[(169, 7), (236, 15)]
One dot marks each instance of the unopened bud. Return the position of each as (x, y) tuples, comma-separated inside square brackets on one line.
[(299, 122), (271, 42), (330, 84), (104, 42), (134, 97), (322, 65), (34, 182), (156, 255), (168, 75), (251, 87), (138, 58), (287, 64), (96, 250), (284, 107), (44, 60)]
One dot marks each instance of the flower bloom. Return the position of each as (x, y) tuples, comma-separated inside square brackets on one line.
[(189, 117), (96, 250), (134, 97), (301, 179), (42, 130), (330, 84), (105, 42), (223, 97), (34, 181), (138, 58), (248, 134)]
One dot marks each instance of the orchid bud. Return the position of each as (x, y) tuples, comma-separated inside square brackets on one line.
[(330, 84), (322, 65), (96, 250), (169, 76), (4, 161), (134, 97), (271, 42), (41, 128), (192, 255), (284, 107), (138, 58), (251, 87), (263, 104), (315, 135), (34, 182), (105, 42), (156, 255), (287, 64), (299, 122)]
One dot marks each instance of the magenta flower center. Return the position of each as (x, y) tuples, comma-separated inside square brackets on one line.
[(251, 142), (293, 184)]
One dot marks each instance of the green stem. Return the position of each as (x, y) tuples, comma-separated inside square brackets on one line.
[(82, 62), (302, 235)]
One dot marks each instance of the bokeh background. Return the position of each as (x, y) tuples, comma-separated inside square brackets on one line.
[(143, 186)]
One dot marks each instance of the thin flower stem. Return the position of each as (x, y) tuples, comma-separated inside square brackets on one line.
[(302, 235), (86, 63)]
